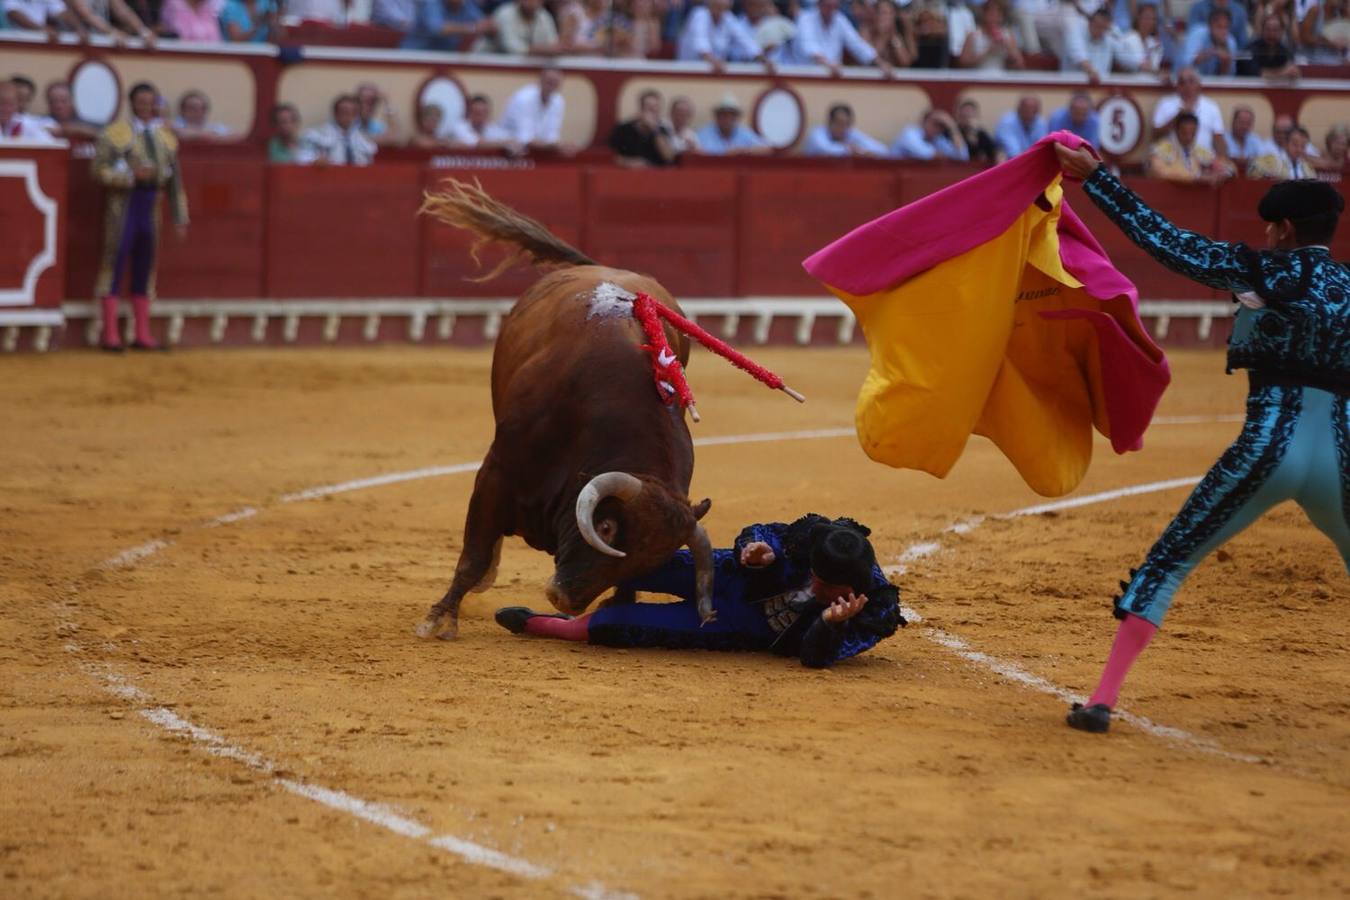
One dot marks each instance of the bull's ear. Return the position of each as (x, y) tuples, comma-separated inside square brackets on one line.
[(701, 508)]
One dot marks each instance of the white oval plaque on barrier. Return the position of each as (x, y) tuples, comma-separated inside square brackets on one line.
[(778, 118), (446, 93), (1122, 126), (96, 92)]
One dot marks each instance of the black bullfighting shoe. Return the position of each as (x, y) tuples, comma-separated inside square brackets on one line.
[(512, 618), (1095, 718)]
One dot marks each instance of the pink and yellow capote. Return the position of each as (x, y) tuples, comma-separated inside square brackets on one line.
[(990, 309)]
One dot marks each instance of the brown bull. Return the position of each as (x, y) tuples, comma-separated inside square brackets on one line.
[(587, 463)]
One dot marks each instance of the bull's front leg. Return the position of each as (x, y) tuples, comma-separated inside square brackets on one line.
[(483, 529)]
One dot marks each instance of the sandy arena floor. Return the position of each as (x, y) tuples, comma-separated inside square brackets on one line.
[(242, 709)]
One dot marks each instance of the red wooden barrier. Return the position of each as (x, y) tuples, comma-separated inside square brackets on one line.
[(554, 197), (223, 254), (30, 178), (1194, 207), (342, 232), (788, 215), (680, 227)]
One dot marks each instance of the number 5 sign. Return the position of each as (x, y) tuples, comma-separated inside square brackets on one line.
[(1122, 125)]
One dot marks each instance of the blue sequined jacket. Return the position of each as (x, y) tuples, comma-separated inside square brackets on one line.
[(816, 642), (1302, 335)]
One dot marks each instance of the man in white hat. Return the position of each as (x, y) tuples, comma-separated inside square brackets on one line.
[(725, 135)]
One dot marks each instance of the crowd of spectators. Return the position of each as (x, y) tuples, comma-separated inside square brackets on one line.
[(1192, 142), (1095, 37)]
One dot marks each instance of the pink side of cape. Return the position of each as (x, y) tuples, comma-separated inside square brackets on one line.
[(916, 237)]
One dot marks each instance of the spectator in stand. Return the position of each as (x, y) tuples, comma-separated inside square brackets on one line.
[(196, 21), (61, 119), (1284, 164), (1270, 55), (15, 125), (991, 46), (1242, 140), (447, 25), (1142, 49), (682, 135), (1078, 117), (1212, 50), (1093, 50), (1188, 99), (341, 142), (287, 146), (27, 89), (427, 134), (936, 137), (711, 33), (891, 34), (249, 21), (773, 32), (1019, 128), (1198, 19), (112, 18), (645, 140), (726, 136), (193, 121), (960, 24), (1180, 156), (477, 129), (838, 137), (579, 26), (979, 143), (378, 119), (932, 46), (534, 114), (521, 28), (332, 12), (823, 33), (1337, 157), (43, 15), (1046, 24), (1334, 32), (396, 15), (636, 32)]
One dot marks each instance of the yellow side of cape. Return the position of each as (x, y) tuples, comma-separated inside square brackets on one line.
[(961, 349)]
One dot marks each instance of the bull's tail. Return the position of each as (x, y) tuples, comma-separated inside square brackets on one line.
[(469, 207)]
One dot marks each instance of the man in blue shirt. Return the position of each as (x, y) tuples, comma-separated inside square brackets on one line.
[(840, 138), (1198, 17), (937, 137), (1078, 117), (726, 136), (448, 25), (1020, 128), (1212, 50)]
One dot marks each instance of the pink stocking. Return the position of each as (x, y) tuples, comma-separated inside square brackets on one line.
[(1131, 639), (577, 629)]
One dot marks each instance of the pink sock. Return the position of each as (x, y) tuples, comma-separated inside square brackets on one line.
[(1131, 639), (577, 629)]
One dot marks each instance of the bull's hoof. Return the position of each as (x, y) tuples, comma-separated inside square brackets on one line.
[(443, 626)]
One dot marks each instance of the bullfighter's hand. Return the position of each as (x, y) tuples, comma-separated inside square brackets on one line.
[(180, 231), (757, 554), (1078, 163), (844, 608)]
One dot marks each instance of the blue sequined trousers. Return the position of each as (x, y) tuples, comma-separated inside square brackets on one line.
[(1295, 444)]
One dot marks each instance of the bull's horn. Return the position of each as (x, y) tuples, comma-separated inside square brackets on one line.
[(606, 484), (701, 548)]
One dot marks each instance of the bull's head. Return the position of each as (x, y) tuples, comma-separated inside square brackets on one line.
[(626, 526)]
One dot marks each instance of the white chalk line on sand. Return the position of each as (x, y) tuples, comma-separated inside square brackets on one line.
[(1011, 670), (381, 816), (373, 813)]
